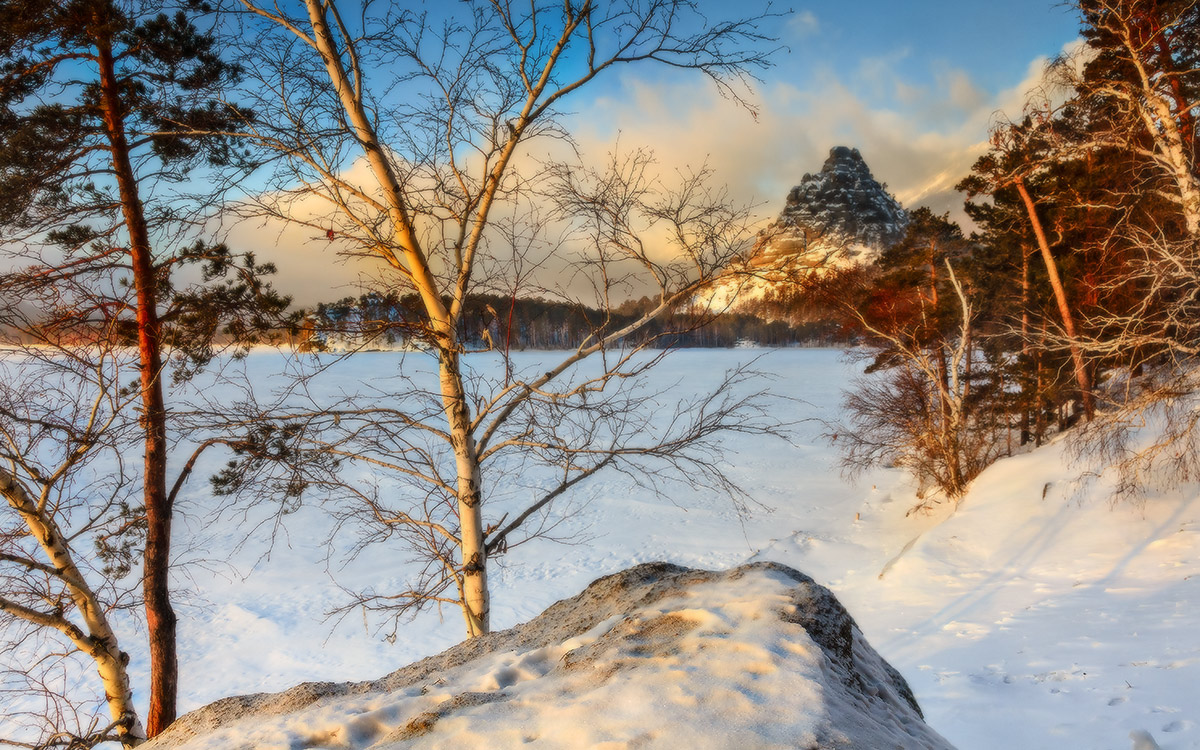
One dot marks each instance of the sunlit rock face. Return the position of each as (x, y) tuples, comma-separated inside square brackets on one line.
[(837, 217), (840, 214), (658, 656)]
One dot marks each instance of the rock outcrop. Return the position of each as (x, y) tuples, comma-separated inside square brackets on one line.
[(658, 656), (837, 217)]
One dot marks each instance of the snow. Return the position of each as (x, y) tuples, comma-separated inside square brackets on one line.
[(1034, 615), (724, 654)]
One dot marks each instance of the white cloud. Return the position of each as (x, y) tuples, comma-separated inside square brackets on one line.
[(920, 144), (920, 140), (802, 25)]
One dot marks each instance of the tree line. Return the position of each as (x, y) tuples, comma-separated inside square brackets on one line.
[(1074, 303), (505, 324)]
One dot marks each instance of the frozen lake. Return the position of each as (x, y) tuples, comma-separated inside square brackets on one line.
[(1034, 616)]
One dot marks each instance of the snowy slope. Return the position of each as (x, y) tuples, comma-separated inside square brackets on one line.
[(1020, 620), (1035, 616), (1039, 597)]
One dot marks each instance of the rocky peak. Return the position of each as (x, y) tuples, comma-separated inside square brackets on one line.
[(838, 215)]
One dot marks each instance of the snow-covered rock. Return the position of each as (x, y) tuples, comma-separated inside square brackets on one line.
[(838, 215), (656, 656)]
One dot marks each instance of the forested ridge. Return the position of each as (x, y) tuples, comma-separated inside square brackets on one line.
[(1074, 302), (496, 323)]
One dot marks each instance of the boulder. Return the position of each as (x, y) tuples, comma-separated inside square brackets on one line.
[(657, 656)]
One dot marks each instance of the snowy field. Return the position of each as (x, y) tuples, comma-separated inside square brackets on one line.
[(1035, 616)]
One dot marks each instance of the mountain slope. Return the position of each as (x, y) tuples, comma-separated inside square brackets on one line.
[(836, 217)]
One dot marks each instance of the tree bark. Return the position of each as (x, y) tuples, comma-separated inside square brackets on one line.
[(99, 641), (936, 334), (160, 617), (473, 588), (1064, 307), (1028, 406), (1159, 118), (473, 585)]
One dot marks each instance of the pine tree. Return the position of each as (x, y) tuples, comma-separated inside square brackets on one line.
[(98, 99)]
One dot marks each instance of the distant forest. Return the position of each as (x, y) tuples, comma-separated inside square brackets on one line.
[(388, 321)]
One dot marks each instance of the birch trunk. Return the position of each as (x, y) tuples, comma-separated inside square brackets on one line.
[(97, 639), (414, 262), (473, 589), (473, 586), (1159, 118)]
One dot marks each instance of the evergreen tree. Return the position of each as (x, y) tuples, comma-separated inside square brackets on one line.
[(98, 99)]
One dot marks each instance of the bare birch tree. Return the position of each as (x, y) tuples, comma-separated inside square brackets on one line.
[(404, 129), (62, 412)]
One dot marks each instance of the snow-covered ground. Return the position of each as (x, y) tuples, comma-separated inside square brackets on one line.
[(1034, 616)]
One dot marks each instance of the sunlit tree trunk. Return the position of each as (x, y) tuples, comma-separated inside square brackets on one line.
[(1162, 117), (473, 585), (1064, 307), (473, 572), (1029, 405), (1155, 94), (160, 617)]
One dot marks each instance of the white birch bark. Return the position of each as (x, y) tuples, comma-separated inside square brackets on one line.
[(1158, 114), (96, 638), (473, 588)]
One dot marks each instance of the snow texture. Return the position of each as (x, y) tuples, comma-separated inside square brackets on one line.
[(1035, 615), (656, 656)]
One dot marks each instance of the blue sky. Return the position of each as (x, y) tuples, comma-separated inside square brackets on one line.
[(992, 42), (913, 85)]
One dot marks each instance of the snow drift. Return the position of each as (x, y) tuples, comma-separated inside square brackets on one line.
[(656, 656)]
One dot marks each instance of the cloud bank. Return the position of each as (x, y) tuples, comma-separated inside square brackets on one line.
[(918, 139)]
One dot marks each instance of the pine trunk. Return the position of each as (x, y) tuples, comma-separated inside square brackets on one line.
[(160, 617), (1028, 405), (1064, 307)]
